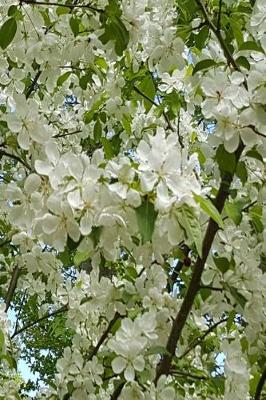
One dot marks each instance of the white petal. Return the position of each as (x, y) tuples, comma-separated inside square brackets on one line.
[(52, 152), (86, 224), (73, 230), (32, 183), (118, 364), (23, 140), (43, 167), (147, 181), (129, 373), (249, 137), (139, 363), (60, 239), (74, 199), (75, 168), (50, 223), (13, 122), (232, 144)]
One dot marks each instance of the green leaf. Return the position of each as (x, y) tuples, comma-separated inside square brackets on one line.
[(252, 46), (253, 153), (74, 25), (7, 32), (239, 298), (14, 12), (80, 257), (147, 87), (2, 340), (262, 265), (62, 10), (256, 218), (222, 263), (10, 360), (146, 217), (209, 208), (204, 64), (157, 350), (111, 146), (234, 212), (116, 31), (243, 62), (202, 36), (63, 78), (241, 172), (97, 131), (226, 161), (189, 221)]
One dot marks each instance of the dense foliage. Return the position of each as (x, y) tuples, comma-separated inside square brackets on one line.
[(132, 186)]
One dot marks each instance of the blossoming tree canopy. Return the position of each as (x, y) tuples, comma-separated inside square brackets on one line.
[(132, 226)]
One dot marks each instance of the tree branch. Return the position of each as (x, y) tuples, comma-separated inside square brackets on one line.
[(260, 385), (200, 338), (256, 131), (61, 135), (137, 90), (33, 84), (219, 16), (118, 391), (14, 157), (12, 287), (37, 321), (181, 318), (188, 375), (104, 335), (67, 5), (217, 33)]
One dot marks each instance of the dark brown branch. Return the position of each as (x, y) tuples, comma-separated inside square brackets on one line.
[(137, 90), (200, 338), (14, 157), (118, 391), (12, 287), (260, 385), (256, 131), (217, 33), (104, 335), (181, 318), (37, 321), (67, 5), (62, 135), (33, 84)]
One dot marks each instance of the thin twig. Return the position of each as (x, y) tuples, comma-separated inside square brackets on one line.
[(256, 131), (61, 135), (67, 5), (217, 33), (104, 335), (200, 338), (37, 321), (187, 375), (260, 385), (14, 157), (12, 287), (19, 311), (33, 84), (137, 90)]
